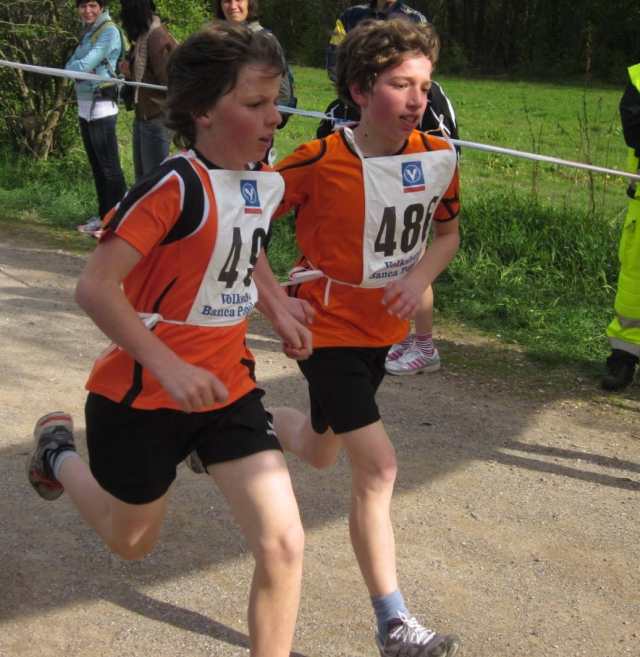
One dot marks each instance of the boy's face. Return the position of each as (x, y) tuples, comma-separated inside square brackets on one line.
[(239, 128), (89, 12), (395, 104)]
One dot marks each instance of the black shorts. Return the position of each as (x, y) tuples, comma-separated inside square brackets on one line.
[(342, 386), (133, 453)]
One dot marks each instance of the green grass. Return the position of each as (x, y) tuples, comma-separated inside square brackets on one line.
[(538, 261)]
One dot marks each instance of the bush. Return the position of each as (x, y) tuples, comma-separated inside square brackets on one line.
[(539, 274)]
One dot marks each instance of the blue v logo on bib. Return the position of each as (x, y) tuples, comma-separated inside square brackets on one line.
[(412, 177), (249, 190)]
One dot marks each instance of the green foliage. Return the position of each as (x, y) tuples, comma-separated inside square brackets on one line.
[(34, 106), (182, 17), (538, 274)]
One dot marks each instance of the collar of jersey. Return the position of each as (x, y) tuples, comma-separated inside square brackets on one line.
[(254, 166), (350, 147)]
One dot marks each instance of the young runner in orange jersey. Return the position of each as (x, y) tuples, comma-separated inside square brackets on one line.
[(179, 253), (365, 199)]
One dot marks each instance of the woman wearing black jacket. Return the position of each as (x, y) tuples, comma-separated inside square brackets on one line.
[(147, 62)]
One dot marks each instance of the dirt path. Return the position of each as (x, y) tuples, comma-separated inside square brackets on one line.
[(517, 511)]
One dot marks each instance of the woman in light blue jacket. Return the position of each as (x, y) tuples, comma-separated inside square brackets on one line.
[(98, 53)]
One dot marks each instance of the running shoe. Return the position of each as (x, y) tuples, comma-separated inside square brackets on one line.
[(399, 348), (413, 361), (407, 638), (93, 227), (53, 433)]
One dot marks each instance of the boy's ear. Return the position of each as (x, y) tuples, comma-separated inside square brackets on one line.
[(202, 120), (360, 98)]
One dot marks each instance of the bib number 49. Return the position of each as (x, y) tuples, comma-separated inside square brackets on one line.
[(229, 273)]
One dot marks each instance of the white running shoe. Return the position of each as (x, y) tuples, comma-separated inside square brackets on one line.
[(93, 227), (413, 361), (399, 348)]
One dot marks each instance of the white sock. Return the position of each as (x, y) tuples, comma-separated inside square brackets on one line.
[(59, 458)]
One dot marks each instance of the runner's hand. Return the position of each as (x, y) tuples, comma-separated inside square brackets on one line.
[(296, 338), (302, 310), (401, 298), (193, 388)]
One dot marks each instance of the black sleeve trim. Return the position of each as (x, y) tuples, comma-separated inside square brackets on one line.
[(315, 158), (193, 201)]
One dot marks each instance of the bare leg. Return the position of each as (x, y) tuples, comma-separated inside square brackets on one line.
[(373, 465), (424, 314), (259, 492), (296, 435), (129, 530)]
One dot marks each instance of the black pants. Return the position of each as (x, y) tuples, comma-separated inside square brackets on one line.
[(101, 144)]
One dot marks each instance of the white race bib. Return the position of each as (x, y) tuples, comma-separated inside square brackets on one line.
[(245, 202), (402, 193)]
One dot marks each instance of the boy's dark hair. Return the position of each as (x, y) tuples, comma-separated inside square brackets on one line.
[(252, 14), (102, 3), (374, 46), (206, 67), (136, 16)]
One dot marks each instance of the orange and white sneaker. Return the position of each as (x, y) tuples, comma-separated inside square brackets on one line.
[(52, 434)]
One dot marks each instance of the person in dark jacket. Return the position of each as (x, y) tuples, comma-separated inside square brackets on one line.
[(350, 17), (147, 62)]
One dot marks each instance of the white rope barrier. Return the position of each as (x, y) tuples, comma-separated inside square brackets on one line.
[(76, 75), (544, 158)]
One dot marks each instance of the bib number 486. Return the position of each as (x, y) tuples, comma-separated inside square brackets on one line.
[(416, 222)]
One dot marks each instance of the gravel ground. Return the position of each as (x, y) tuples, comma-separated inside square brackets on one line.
[(516, 514)]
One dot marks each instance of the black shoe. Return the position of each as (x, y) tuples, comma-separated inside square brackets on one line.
[(621, 366)]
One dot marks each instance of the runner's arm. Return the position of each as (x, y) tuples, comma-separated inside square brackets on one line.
[(288, 316), (99, 293)]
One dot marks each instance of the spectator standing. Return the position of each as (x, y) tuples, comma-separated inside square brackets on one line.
[(350, 17), (147, 62), (624, 330), (98, 52)]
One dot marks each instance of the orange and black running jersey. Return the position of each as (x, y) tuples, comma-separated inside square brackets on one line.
[(325, 183), (199, 230)]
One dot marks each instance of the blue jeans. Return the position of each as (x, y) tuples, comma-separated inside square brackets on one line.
[(101, 144), (151, 141)]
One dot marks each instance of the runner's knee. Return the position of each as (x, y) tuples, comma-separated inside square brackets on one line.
[(377, 475), (282, 549)]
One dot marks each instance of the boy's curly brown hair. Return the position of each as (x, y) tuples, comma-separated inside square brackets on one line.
[(374, 46)]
